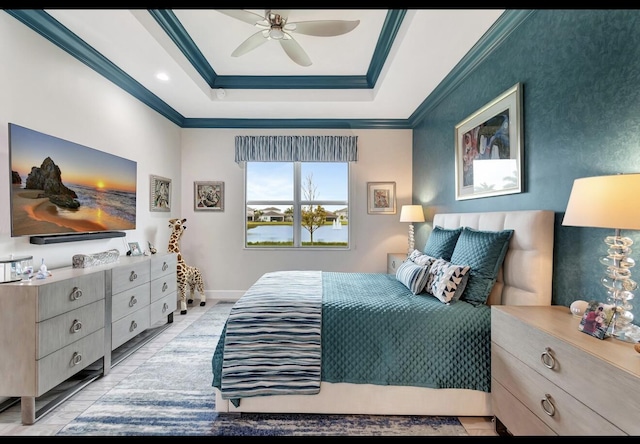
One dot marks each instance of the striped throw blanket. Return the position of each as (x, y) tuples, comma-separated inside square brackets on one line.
[(272, 344)]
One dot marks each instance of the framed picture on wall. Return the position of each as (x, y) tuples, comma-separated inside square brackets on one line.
[(160, 199), (208, 196), (489, 148), (381, 197)]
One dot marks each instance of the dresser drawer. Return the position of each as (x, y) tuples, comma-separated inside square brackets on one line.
[(161, 308), (592, 380), (129, 301), (163, 265), (522, 422), (61, 296), (568, 415), (64, 363), (129, 276), (58, 332), (163, 286), (128, 327)]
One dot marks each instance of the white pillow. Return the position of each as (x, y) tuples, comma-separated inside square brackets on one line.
[(420, 258), (447, 281), (413, 276)]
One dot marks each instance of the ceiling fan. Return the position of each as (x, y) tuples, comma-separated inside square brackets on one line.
[(275, 26)]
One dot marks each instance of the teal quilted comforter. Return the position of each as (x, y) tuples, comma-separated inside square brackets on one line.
[(375, 331)]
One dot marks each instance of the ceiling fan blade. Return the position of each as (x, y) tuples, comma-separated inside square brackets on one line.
[(295, 52), (250, 44), (325, 28), (241, 14)]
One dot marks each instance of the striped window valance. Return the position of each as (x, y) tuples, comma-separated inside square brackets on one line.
[(296, 149)]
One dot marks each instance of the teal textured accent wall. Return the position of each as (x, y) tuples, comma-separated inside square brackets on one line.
[(580, 71)]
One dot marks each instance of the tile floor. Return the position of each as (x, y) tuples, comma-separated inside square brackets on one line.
[(56, 419)]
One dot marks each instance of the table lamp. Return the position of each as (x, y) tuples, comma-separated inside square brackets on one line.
[(610, 202), (411, 214)]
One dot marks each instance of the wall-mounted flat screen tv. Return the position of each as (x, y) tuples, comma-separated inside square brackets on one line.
[(61, 187)]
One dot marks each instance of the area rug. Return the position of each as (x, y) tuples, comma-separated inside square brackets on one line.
[(171, 395)]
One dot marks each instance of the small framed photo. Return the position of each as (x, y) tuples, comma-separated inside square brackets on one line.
[(208, 196), (381, 197), (160, 199), (134, 248), (596, 319)]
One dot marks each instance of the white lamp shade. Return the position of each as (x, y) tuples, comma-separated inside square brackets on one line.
[(412, 213), (605, 202)]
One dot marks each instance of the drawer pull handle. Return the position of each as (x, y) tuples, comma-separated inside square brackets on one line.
[(76, 326), (547, 358), (133, 301), (76, 358), (133, 326), (164, 287), (133, 276), (547, 405), (165, 307), (164, 266), (76, 293)]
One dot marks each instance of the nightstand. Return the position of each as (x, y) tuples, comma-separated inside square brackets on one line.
[(394, 260), (549, 378)]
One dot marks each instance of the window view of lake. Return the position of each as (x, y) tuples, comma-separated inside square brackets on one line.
[(283, 233), (285, 198)]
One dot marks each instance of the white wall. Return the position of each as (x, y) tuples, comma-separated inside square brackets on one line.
[(45, 89), (214, 241)]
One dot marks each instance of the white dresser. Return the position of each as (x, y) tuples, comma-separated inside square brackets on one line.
[(164, 287), (143, 293), (130, 299), (51, 329), (549, 378)]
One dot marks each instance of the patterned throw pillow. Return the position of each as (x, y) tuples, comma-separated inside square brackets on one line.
[(447, 281), (442, 242), (418, 257), (413, 276), (414, 254), (484, 251)]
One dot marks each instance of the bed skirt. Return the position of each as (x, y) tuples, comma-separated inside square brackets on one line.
[(368, 399)]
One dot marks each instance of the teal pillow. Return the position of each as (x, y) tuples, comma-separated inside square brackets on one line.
[(413, 276), (483, 252), (441, 242)]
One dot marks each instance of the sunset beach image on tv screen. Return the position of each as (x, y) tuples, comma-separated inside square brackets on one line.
[(59, 186)]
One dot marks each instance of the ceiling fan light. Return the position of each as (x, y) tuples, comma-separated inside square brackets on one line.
[(276, 34)]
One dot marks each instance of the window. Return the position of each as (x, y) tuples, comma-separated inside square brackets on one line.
[(297, 204), (297, 190)]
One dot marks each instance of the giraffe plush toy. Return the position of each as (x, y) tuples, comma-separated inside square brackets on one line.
[(188, 276)]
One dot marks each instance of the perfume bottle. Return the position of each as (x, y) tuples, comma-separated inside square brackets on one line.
[(43, 272)]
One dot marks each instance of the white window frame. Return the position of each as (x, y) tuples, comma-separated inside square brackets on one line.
[(297, 204)]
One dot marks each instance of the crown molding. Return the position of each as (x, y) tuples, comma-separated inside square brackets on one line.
[(54, 31)]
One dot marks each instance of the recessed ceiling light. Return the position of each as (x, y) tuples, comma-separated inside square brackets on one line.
[(162, 76)]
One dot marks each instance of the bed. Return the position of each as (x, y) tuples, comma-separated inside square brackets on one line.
[(372, 346)]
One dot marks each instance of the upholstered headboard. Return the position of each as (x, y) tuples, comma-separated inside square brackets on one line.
[(526, 274)]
